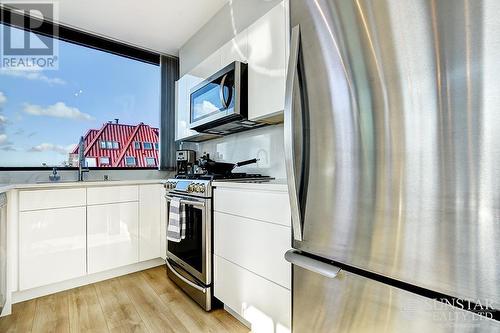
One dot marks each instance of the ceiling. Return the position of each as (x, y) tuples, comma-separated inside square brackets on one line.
[(158, 25)]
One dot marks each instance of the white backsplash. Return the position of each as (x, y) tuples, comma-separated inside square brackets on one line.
[(265, 143)]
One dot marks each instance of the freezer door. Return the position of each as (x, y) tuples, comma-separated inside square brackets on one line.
[(352, 303), (392, 132)]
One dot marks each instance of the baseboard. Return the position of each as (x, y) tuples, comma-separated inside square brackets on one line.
[(237, 316), (21, 296)]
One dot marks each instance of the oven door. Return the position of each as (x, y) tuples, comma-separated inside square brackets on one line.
[(193, 253)]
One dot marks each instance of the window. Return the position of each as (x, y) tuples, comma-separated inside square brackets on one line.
[(157, 147), (90, 162), (130, 161), (137, 145), (95, 94), (150, 161), (147, 145)]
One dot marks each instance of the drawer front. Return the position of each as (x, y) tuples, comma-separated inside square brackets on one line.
[(255, 245), (47, 199), (270, 206), (112, 194), (266, 305), (51, 246)]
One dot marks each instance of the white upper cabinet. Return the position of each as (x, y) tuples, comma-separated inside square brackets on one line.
[(182, 108), (267, 54), (235, 50), (264, 47)]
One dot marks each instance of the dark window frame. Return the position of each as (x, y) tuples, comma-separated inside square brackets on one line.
[(85, 39)]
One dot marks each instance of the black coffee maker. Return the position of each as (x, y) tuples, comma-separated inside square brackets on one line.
[(185, 161)]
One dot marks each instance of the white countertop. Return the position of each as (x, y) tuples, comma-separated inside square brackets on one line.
[(89, 183), (273, 185)]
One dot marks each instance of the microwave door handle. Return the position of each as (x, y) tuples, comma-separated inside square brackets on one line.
[(225, 104), (289, 144)]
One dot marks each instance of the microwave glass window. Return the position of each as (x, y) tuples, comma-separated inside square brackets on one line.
[(206, 101)]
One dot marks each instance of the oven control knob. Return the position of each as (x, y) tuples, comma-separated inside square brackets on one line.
[(190, 188), (202, 188), (197, 187)]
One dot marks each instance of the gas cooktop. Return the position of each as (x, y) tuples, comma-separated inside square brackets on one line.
[(230, 176)]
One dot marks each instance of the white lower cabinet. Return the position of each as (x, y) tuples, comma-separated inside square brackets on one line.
[(264, 304), (150, 201), (51, 246), (251, 235), (255, 245), (113, 235)]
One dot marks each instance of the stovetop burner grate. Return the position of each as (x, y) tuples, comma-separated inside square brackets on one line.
[(230, 176)]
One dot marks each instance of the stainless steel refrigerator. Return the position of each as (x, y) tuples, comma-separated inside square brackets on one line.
[(392, 141)]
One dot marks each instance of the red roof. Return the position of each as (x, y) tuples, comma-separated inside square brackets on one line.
[(126, 136)]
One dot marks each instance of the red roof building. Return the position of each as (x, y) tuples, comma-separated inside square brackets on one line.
[(120, 145)]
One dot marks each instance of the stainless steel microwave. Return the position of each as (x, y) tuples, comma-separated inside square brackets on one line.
[(219, 104)]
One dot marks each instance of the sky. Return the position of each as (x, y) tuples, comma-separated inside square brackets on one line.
[(43, 113)]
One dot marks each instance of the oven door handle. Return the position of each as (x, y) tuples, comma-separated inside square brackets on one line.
[(188, 202), (195, 286)]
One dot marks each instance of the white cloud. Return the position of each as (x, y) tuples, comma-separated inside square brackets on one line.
[(3, 120), (58, 110), (53, 147), (32, 74), (3, 139), (3, 99)]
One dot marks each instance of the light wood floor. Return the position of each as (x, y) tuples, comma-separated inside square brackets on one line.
[(145, 301)]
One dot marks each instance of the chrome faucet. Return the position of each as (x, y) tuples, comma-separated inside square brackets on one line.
[(54, 177), (82, 164)]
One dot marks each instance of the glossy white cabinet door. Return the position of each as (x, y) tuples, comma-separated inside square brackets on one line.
[(112, 235), (207, 67), (235, 50), (149, 221), (51, 246), (266, 305), (182, 107), (270, 206), (255, 245), (267, 49)]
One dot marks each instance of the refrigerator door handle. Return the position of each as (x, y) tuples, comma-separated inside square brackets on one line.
[(294, 257), (289, 137)]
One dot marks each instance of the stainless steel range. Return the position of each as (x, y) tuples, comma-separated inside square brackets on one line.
[(189, 262)]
